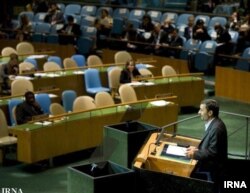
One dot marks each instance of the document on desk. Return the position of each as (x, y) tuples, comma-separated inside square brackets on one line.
[(176, 150)]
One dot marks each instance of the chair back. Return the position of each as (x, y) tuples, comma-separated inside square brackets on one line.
[(12, 103), (127, 94), (26, 67), (21, 86), (25, 48), (69, 63), (3, 125), (145, 72), (44, 101), (168, 70), (103, 99), (79, 59), (7, 51), (68, 97), (56, 59), (122, 57), (51, 66), (56, 109), (82, 103), (93, 60), (32, 61)]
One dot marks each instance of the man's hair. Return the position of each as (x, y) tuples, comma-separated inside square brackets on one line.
[(28, 93), (212, 105)]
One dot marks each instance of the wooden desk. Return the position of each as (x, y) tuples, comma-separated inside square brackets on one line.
[(83, 130), (189, 90), (179, 167), (232, 83)]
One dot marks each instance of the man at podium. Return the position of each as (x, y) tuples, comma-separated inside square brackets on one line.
[(212, 150)]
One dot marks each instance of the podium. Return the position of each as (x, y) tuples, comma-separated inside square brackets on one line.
[(105, 176), (160, 169), (129, 136)]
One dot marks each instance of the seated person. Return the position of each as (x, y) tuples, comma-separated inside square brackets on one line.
[(145, 29), (54, 16), (129, 73), (24, 29), (29, 108), (173, 44), (200, 31), (188, 31), (9, 69), (103, 25), (70, 32)]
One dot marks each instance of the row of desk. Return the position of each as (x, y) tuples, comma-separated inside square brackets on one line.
[(83, 130)]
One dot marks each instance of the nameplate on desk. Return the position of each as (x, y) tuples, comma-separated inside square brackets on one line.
[(78, 72), (23, 77), (160, 103)]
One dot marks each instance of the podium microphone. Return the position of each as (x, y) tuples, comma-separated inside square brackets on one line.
[(169, 125)]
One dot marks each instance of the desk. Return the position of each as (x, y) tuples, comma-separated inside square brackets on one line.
[(83, 130), (163, 164), (232, 83), (189, 90)]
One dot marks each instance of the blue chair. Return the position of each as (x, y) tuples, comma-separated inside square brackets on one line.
[(88, 10), (208, 46), (39, 17), (61, 6), (155, 15), (11, 104), (136, 14), (44, 101), (68, 97), (32, 61), (85, 45), (169, 15), (217, 19), (88, 31), (191, 46), (243, 62), (29, 14), (121, 13), (203, 62), (118, 26), (93, 82), (72, 9), (41, 31), (183, 19), (135, 22), (88, 21), (55, 59), (140, 66), (79, 59)]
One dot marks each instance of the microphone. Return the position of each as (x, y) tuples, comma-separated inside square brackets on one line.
[(157, 143), (169, 125)]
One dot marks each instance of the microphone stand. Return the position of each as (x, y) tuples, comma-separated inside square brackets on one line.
[(157, 143)]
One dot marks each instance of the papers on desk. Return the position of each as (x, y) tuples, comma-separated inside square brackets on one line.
[(37, 56), (78, 72), (176, 150), (43, 123), (53, 95), (149, 65), (23, 77), (52, 75), (160, 103), (140, 83)]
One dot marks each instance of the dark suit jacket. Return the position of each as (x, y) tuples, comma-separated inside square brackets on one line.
[(25, 112), (212, 153), (72, 38), (125, 75)]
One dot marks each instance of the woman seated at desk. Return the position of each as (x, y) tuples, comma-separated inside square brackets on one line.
[(129, 73)]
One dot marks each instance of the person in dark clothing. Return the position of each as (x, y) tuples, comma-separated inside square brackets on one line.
[(188, 31), (70, 32), (9, 69), (212, 150), (129, 73), (200, 31), (54, 16), (29, 108)]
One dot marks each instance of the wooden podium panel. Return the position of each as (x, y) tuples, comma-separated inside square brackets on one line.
[(150, 157)]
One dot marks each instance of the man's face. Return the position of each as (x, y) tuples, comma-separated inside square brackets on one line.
[(205, 115), (30, 99)]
